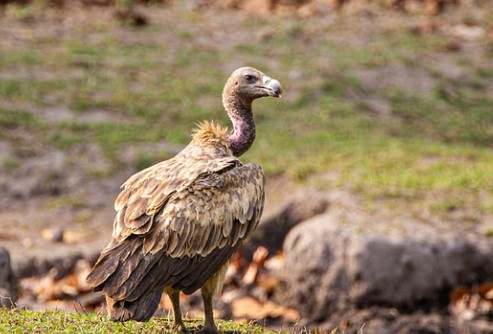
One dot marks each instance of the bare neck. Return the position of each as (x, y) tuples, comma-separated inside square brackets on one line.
[(240, 113)]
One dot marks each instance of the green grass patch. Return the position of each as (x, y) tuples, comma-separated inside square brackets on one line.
[(10, 164), (28, 90), (15, 118), (67, 202), (60, 322)]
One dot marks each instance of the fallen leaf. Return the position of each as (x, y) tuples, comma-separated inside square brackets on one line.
[(250, 308), (258, 261), (485, 290), (4, 235)]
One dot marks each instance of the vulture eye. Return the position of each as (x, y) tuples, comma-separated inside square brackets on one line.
[(249, 78)]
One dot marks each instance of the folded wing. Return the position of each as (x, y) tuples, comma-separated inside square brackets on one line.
[(177, 226)]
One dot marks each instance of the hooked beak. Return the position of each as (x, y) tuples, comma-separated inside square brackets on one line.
[(273, 86)]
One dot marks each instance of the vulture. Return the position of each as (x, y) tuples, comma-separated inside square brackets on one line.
[(179, 222)]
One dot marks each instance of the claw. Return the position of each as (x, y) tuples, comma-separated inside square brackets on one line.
[(209, 330), (180, 328)]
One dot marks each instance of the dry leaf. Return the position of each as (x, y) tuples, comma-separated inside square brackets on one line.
[(485, 290), (48, 288), (468, 304), (4, 235), (257, 262), (250, 308)]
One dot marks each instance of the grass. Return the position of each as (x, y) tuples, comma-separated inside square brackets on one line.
[(433, 142), (15, 322)]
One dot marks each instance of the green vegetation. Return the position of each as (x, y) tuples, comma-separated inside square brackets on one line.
[(15, 322), (429, 141)]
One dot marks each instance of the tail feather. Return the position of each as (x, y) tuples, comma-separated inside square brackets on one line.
[(109, 263), (119, 280), (103, 269), (140, 277), (141, 309)]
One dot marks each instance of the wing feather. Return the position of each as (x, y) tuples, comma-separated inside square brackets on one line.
[(184, 222)]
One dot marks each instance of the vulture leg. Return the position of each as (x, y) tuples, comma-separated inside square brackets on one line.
[(174, 295), (211, 287), (209, 325)]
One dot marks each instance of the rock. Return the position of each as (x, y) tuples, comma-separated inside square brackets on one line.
[(313, 278), (63, 265), (384, 320), (330, 266), (273, 229), (9, 285)]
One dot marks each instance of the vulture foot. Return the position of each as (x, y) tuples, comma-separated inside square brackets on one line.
[(209, 330), (180, 328)]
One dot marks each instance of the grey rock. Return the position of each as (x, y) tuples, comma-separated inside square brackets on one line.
[(35, 266), (330, 266), (9, 285), (273, 229)]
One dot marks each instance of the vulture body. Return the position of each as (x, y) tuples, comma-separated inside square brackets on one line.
[(179, 222)]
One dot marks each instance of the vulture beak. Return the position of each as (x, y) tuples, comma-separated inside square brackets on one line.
[(273, 86)]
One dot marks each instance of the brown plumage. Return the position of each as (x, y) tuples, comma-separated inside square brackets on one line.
[(179, 222)]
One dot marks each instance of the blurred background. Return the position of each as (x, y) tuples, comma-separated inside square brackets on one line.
[(379, 210)]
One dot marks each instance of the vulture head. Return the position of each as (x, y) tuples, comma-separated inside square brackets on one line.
[(248, 84), (243, 86)]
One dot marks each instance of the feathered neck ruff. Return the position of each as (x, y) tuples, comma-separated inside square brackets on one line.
[(210, 133)]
